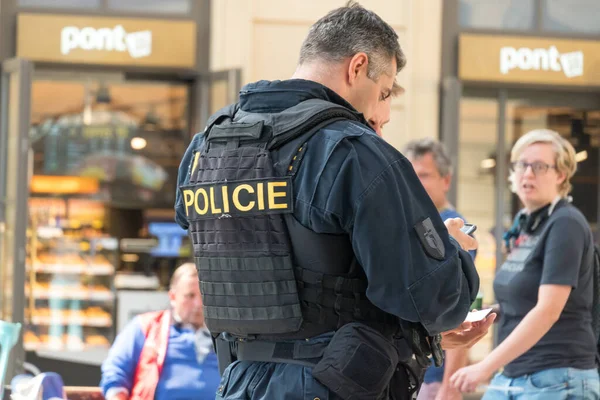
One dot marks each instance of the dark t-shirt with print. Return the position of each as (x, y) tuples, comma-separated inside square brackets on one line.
[(558, 251)]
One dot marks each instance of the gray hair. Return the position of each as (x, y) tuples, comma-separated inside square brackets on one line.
[(349, 30), (420, 147)]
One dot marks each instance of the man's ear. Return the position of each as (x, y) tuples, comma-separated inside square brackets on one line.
[(172, 297), (359, 65), (447, 181)]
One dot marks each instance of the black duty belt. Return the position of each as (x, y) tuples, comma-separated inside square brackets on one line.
[(299, 352)]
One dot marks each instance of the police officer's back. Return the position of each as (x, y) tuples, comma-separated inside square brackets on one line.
[(317, 248)]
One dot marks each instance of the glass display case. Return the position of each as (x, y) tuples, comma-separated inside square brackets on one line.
[(70, 268)]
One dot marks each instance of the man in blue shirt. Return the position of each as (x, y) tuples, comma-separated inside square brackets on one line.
[(189, 368), (348, 185), (434, 169)]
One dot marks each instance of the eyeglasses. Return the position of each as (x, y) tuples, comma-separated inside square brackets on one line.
[(538, 167)]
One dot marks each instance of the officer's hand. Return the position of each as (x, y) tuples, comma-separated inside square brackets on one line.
[(467, 334), (465, 241)]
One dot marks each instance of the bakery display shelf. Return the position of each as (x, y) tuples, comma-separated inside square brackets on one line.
[(79, 269), (98, 322), (72, 294), (60, 347), (70, 266)]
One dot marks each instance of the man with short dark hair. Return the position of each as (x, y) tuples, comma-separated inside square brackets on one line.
[(323, 263)]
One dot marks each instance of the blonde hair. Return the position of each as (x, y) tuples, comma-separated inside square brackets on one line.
[(564, 156), (184, 270)]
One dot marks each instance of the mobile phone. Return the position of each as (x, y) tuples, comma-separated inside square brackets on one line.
[(469, 228), (475, 316)]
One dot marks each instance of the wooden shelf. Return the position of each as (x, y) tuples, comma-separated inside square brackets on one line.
[(100, 322), (78, 269), (72, 294)]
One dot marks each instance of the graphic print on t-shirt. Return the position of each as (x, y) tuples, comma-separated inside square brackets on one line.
[(515, 261)]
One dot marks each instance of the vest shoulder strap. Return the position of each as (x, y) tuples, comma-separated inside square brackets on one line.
[(290, 145), (308, 116), (305, 119), (227, 112), (285, 132)]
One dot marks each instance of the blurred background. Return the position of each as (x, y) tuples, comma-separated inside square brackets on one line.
[(100, 98)]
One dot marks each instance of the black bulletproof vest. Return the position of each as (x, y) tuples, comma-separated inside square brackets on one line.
[(262, 274)]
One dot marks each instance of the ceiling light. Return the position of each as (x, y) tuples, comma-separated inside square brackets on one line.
[(138, 143), (488, 163), (581, 156)]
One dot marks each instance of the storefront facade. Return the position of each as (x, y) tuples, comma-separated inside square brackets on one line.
[(509, 67), (100, 98), (263, 38)]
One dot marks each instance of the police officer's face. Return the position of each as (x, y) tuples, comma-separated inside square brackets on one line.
[(381, 116), (370, 96), (187, 302), (435, 184)]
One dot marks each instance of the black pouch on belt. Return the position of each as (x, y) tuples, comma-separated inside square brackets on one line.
[(405, 382), (358, 363)]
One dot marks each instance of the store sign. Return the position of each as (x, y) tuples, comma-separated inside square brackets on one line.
[(529, 60), (106, 41), (138, 44)]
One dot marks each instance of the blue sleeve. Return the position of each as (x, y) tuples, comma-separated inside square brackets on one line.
[(119, 367), (473, 253), (372, 192), (404, 279), (183, 177)]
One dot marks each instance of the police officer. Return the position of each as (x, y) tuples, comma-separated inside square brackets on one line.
[(323, 263)]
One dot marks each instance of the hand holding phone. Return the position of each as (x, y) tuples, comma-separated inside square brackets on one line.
[(455, 228), (468, 228), (475, 316)]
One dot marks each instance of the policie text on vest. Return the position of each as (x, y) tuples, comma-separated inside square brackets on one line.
[(241, 198)]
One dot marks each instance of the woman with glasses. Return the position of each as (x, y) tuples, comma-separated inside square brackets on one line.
[(544, 288)]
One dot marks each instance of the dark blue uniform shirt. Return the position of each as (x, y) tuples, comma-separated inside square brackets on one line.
[(436, 374), (352, 182)]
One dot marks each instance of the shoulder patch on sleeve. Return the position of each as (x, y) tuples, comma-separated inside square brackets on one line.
[(430, 239)]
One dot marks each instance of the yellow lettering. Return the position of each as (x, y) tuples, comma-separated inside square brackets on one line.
[(260, 196), (236, 197), (195, 164), (225, 199), (213, 209), (188, 199), (273, 194), (205, 209)]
